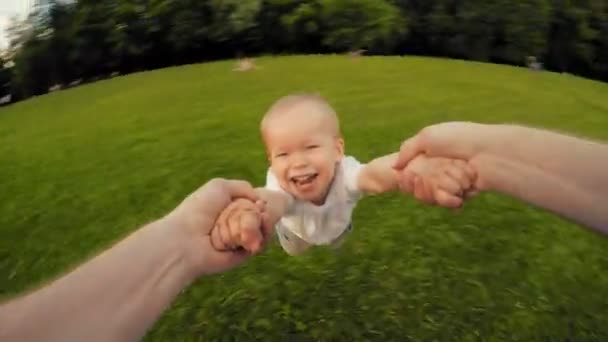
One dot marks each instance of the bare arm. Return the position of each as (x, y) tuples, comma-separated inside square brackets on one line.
[(277, 205), (119, 294), (577, 161), (114, 297), (378, 176), (557, 172), (542, 188), (446, 178), (561, 173)]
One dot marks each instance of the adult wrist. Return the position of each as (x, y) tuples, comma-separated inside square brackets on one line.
[(494, 138), (482, 164), (186, 243)]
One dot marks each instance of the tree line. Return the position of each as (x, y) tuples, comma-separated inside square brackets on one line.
[(71, 42)]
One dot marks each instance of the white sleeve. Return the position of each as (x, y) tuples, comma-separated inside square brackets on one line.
[(272, 183), (352, 168)]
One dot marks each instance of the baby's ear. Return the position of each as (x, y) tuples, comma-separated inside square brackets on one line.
[(340, 147), (268, 155)]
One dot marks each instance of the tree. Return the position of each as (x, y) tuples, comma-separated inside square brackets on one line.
[(570, 37), (86, 39), (129, 40), (17, 32), (91, 55), (375, 25), (61, 27), (522, 29), (304, 26), (599, 22), (5, 78)]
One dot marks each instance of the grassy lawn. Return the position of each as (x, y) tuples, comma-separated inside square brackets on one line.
[(81, 168)]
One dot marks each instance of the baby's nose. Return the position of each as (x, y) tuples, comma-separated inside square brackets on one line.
[(299, 160)]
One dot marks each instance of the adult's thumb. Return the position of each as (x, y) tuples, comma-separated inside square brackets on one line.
[(409, 149)]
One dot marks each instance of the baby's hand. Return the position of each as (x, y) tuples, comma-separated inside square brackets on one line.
[(239, 226), (441, 181)]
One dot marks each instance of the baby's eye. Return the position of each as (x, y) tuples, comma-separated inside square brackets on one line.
[(280, 155), (312, 147)]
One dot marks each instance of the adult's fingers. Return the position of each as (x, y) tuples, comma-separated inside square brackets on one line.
[(240, 189), (447, 200), (409, 149)]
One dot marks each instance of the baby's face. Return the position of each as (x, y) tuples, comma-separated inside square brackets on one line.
[(303, 154)]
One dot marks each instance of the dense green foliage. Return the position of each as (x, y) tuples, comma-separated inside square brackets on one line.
[(90, 39)]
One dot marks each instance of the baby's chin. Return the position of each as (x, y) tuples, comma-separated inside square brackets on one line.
[(316, 197)]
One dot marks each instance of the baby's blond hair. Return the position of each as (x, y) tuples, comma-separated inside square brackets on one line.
[(286, 104)]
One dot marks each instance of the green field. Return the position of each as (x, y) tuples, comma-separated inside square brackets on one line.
[(81, 168)]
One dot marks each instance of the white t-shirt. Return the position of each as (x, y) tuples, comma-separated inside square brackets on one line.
[(322, 225)]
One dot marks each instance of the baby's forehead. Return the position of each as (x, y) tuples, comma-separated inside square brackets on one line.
[(292, 128), (291, 133), (309, 108), (304, 112)]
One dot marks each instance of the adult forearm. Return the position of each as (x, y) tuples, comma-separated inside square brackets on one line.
[(116, 296), (582, 162), (549, 190)]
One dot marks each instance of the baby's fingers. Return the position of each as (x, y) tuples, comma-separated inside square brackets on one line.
[(267, 226), (405, 179), (448, 184), (423, 191), (216, 239), (458, 172), (251, 238), (260, 205), (224, 223), (233, 238)]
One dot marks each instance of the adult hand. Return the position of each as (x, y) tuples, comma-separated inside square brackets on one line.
[(242, 225), (457, 140), (196, 216)]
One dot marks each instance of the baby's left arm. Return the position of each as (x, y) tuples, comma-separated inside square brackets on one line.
[(447, 179), (378, 176)]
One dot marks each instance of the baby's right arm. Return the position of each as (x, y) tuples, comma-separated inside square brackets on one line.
[(248, 225), (445, 179), (276, 205)]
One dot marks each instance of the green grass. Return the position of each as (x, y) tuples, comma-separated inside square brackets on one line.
[(81, 168)]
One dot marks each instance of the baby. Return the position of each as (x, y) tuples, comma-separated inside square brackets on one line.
[(312, 187)]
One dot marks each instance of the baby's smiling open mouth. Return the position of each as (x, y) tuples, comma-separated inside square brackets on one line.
[(304, 179)]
